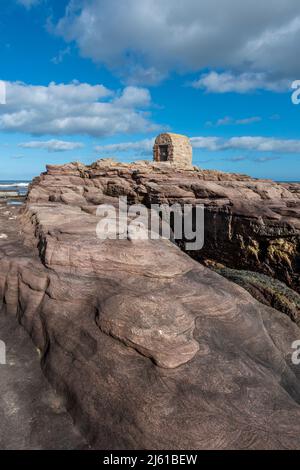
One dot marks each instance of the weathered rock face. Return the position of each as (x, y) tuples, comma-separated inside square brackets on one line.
[(150, 348), (32, 415), (253, 224), (267, 290)]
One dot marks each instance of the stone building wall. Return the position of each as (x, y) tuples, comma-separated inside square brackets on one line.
[(179, 149)]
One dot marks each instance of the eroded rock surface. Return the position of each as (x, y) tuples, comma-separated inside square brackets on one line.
[(267, 290), (32, 415), (249, 223), (150, 348)]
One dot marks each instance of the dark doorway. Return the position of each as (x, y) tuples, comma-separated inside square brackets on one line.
[(163, 153)]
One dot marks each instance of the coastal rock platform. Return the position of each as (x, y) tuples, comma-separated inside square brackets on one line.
[(149, 348)]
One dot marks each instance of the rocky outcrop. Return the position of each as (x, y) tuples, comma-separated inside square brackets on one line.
[(32, 415), (267, 290), (251, 224), (150, 348)]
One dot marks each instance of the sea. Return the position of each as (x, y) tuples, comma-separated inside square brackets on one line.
[(15, 185)]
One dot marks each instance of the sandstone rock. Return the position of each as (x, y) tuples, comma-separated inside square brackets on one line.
[(267, 290), (151, 349), (249, 223)]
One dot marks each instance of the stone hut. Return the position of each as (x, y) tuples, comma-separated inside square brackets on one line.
[(173, 148)]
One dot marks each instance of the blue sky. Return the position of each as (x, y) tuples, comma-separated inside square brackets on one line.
[(87, 79)]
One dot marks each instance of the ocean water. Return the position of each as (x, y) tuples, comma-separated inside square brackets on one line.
[(14, 185)]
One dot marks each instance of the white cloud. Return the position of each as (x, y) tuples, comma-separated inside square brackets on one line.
[(254, 40), (249, 120), (143, 147), (227, 82), (52, 145), (208, 143), (260, 144), (265, 159), (137, 74), (133, 96), (75, 108), (228, 120)]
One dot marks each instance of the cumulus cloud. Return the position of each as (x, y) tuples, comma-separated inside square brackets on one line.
[(255, 41), (208, 143), (75, 108), (260, 144), (227, 82), (52, 145), (133, 96), (137, 74)]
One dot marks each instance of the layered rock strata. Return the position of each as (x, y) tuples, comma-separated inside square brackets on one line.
[(267, 290), (150, 348), (249, 223)]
